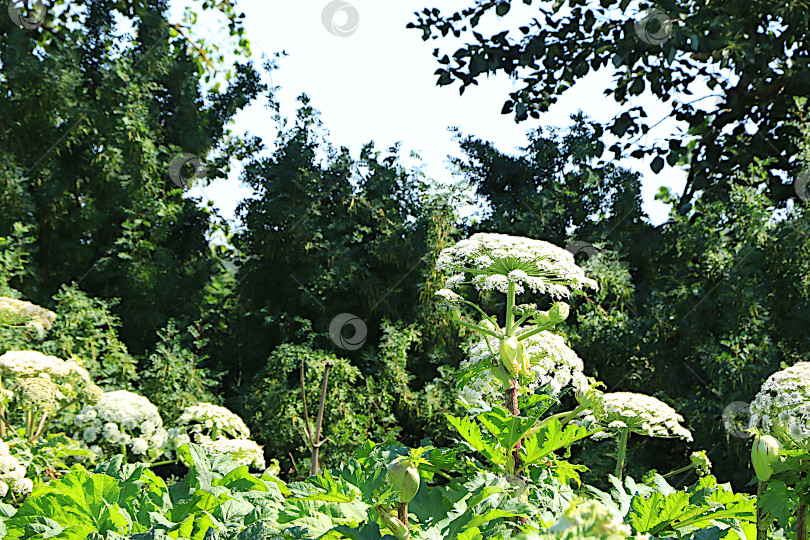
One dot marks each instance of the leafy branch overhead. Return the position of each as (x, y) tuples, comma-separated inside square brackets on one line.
[(732, 74)]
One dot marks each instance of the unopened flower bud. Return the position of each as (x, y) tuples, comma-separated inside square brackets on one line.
[(510, 355), (404, 478), (701, 462), (764, 454), (559, 312)]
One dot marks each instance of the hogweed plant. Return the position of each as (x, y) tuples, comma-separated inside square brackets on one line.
[(218, 431), (122, 422), (780, 454), (512, 266), (523, 359)]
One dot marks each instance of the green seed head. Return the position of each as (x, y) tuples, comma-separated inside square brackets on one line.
[(764, 454), (404, 478)]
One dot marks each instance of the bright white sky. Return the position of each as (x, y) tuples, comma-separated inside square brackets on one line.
[(378, 84)]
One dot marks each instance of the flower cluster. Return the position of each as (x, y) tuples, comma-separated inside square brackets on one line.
[(552, 364), (21, 313), (32, 363), (493, 261), (638, 413), (40, 392), (590, 519), (12, 474), (213, 420), (45, 382), (122, 418), (782, 406), (218, 431), (242, 451)]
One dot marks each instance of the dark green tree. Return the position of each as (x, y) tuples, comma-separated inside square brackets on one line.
[(93, 116)]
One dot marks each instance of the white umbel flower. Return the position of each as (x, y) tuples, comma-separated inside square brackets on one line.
[(123, 417), (204, 418), (23, 486), (21, 313), (12, 474), (242, 451), (218, 431), (590, 519), (553, 365), (782, 406), (19, 364), (640, 414), (493, 261)]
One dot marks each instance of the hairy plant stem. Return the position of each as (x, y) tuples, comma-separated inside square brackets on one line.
[(622, 449), (6, 424), (512, 392), (564, 417), (801, 522), (393, 523), (45, 423), (762, 525), (402, 514)]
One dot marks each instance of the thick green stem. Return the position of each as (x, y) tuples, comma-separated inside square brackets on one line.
[(393, 523), (762, 524), (510, 304), (801, 522), (29, 421), (622, 449), (3, 415)]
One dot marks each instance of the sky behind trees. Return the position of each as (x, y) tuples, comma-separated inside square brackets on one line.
[(376, 82)]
